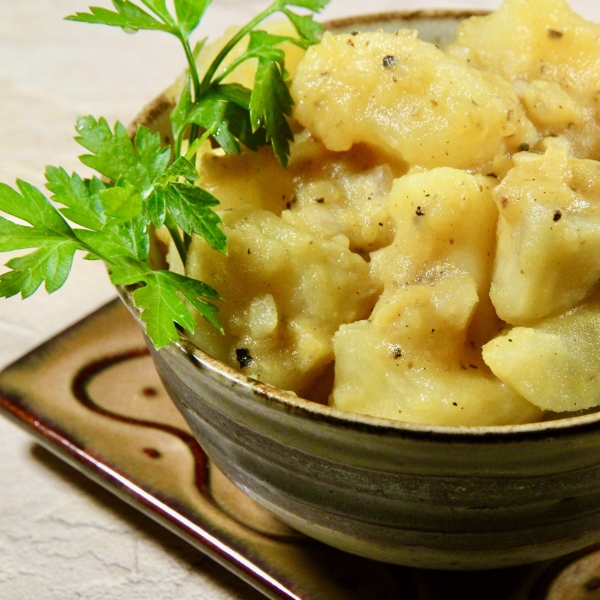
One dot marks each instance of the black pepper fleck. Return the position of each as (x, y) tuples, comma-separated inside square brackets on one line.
[(396, 351), (242, 355), (389, 61), (419, 212), (557, 215), (554, 33)]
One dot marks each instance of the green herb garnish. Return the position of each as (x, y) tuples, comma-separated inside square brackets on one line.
[(146, 184)]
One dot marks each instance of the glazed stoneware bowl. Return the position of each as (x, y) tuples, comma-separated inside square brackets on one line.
[(436, 497)]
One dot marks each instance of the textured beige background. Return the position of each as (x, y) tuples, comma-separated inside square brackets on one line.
[(62, 537)]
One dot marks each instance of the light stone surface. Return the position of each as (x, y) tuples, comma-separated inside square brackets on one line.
[(61, 536)]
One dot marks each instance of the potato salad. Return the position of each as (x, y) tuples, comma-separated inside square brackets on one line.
[(432, 252)]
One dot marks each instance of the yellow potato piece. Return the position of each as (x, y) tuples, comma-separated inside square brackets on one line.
[(411, 362), (548, 255), (444, 217), (534, 41), (407, 97), (326, 193), (556, 364), (251, 179), (445, 221), (286, 292), (418, 356)]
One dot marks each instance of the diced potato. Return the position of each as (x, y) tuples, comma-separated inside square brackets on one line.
[(548, 256), (555, 364), (326, 193), (418, 357), (411, 362), (535, 39), (541, 42), (445, 222), (549, 106), (443, 218), (342, 194), (286, 292), (407, 97)]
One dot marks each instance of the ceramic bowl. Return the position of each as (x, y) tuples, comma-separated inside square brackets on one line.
[(436, 497)]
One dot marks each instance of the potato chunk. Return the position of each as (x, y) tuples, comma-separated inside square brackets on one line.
[(535, 43), (411, 362), (418, 357), (556, 364), (326, 193), (342, 194), (445, 222), (407, 97), (443, 217), (286, 292), (548, 255)]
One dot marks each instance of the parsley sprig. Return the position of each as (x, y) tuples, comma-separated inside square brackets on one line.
[(145, 184), (239, 115)]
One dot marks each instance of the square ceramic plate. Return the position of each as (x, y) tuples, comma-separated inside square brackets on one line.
[(92, 396)]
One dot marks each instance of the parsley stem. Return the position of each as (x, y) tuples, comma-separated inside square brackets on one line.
[(195, 145), (174, 231), (216, 63), (231, 67), (194, 82), (195, 78), (194, 131)]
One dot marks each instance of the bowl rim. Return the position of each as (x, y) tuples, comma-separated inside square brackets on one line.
[(404, 15), (292, 403)]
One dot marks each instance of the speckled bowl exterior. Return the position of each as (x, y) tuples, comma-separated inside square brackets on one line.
[(435, 497)]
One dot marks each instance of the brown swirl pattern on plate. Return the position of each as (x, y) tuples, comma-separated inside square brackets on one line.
[(93, 397), (81, 391)]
